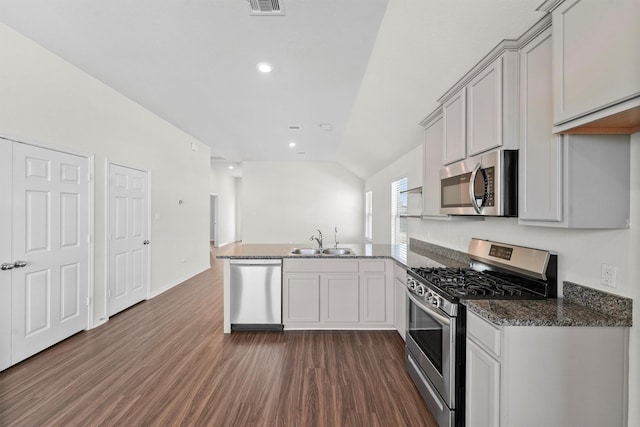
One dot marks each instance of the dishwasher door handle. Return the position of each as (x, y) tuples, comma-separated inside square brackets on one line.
[(255, 263)]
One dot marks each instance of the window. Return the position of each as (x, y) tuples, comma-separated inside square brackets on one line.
[(368, 216), (399, 222)]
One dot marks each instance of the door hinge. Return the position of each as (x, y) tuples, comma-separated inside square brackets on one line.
[(88, 300)]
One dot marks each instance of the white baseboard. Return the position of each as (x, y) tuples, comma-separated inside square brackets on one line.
[(175, 283), (98, 322)]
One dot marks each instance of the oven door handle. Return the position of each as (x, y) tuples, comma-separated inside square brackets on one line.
[(439, 317)]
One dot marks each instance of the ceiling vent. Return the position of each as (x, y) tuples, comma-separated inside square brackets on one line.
[(266, 7)]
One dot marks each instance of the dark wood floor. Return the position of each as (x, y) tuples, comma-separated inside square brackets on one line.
[(166, 362)]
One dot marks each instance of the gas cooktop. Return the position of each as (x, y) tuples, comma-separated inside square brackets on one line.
[(496, 271), (468, 283)]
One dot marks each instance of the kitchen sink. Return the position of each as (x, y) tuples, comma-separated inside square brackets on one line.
[(305, 251), (337, 251)]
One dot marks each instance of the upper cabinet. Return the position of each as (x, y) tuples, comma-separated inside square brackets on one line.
[(596, 66), (559, 175), (492, 105), (432, 163), (480, 111), (454, 135)]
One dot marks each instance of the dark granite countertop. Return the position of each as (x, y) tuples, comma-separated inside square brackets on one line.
[(549, 312), (581, 306), (268, 251)]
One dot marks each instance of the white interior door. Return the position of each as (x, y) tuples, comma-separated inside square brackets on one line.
[(5, 253), (128, 218), (50, 226)]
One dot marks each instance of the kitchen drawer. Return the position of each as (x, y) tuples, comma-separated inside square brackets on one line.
[(320, 266), (484, 334), (377, 266)]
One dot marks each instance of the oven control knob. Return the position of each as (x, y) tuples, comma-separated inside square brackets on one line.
[(421, 290), (411, 283), (435, 301)]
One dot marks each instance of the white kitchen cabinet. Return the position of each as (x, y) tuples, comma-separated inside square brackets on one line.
[(337, 294), (480, 111), (594, 182), (340, 295), (301, 297), (374, 298), (563, 383), (596, 59), (570, 181), (540, 156), (492, 105), (482, 388), (400, 297), (454, 113), (432, 163)]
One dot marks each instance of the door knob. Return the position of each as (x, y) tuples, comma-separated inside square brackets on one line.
[(6, 266), (20, 264), (146, 242)]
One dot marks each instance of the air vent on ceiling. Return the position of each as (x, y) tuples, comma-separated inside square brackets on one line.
[(266, 7), (218, 158)]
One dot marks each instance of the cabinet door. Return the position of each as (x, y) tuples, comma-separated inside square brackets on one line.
[(596, 55), (374, 300), (400, 313), (340, 298), (454, 114), (301, 297), (485, 109), (540, 160), (482, 388), (433, 145)]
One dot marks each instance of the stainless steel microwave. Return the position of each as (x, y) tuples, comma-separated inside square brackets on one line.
[(482, 185)]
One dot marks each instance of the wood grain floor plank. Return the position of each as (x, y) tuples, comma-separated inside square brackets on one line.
[(166, 362)]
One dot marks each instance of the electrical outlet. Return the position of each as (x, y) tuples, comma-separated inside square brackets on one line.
[(608, 275)]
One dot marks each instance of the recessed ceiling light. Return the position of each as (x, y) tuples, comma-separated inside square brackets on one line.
[(230, 166), (265, 67), (292, 144)]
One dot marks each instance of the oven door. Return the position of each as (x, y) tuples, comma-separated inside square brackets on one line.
[(432, 345)]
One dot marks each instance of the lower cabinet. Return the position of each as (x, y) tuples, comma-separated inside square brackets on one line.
[(526, 376), (400, 297), (339, 298), (301, 297), (337, 294)]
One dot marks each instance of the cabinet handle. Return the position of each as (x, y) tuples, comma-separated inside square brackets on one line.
[(6, 266), (20, 264), (146, 242)]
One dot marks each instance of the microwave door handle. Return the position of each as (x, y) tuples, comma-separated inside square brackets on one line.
[(472, 195)]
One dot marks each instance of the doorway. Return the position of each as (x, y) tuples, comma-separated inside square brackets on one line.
[(128, 237), (214, 221), (45, 248)]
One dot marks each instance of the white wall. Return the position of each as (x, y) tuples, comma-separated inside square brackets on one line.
[(286, 202), (225, 186), (409, 165), (45, 100), (580, 252)]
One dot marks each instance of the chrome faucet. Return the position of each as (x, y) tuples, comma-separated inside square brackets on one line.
[(317, 239), (335, 239)]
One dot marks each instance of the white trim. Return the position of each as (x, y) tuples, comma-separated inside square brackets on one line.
[(92, 243), (105, 313), (178, 282), (101, 321)]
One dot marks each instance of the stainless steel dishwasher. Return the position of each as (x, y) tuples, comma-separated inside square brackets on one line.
[(256, 294)]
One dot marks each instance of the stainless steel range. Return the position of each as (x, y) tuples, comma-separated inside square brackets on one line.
[(436, 325)]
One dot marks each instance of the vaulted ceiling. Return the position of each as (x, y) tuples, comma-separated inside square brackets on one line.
[(367, 76)]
